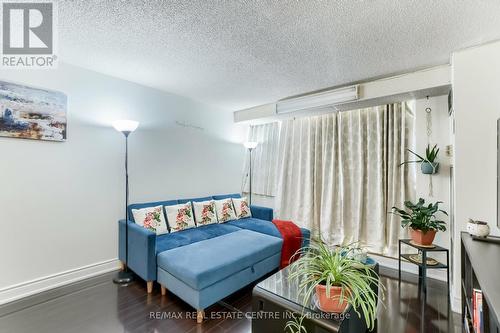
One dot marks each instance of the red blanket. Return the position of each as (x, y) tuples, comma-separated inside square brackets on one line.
[(292, 240)]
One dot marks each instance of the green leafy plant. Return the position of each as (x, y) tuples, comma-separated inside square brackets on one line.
[(430, 155), (321, 265), (420, 216)]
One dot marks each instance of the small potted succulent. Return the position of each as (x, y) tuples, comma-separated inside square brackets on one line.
[(422, 221), (337, 280), (428, 165)]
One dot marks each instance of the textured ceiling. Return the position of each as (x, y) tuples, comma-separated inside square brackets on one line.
[(237, 54)]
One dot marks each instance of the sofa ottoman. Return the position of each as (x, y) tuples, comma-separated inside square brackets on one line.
[(205, 272)]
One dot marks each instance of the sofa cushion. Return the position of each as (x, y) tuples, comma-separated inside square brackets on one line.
[(241, 208), (258, 225), (151, 218), (225, 210), (189, 236), (180, 217), (204, 212), (148, 204), (202, 264)]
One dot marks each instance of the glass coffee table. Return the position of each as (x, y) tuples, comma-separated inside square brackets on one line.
[(276, 300)]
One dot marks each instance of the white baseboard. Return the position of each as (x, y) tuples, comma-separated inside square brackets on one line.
[(28, 288)]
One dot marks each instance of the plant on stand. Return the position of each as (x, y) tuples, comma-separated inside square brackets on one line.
[(428, 165), (337, 279), (421, 220)]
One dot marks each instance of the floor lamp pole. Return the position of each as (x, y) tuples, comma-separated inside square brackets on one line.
[(126, 198), (250, 185), (125, 277)]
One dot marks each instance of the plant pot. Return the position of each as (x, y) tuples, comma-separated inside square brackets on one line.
[(429, 168), (421, 238), (332, 303)]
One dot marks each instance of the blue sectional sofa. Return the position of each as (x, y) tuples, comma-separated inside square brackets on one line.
[(203, 265)]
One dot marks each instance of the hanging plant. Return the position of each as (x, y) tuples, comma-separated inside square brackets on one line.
[(428, 165)]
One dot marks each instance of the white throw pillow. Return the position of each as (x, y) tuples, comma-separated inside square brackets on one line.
[(180, 217), (241, 208), (225, 210), (151, 218), (204, 212)]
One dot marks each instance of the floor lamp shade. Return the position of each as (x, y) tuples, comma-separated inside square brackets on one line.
[(125, 125), (250, 144)]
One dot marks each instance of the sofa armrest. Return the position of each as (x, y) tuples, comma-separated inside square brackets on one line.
[(306, 237), (141, 249), (262, 213)]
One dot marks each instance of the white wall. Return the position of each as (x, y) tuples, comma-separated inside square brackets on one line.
[(59, 202), (476, 91)]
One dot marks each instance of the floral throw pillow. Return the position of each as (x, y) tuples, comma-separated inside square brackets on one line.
[(180, 217), (204, 212), (151, 218), (241, 208), (225, 210)]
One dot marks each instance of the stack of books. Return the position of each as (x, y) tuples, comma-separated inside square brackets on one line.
[(477, 311)]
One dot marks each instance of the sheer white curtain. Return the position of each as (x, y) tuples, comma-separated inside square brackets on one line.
[(264, 159), (338, 174)]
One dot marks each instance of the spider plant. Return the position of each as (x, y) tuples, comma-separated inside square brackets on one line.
[(334, 267)]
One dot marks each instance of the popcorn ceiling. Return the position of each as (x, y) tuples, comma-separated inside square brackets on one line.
[(238, 54)]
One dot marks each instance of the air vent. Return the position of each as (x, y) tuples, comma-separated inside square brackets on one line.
[(322, 99)]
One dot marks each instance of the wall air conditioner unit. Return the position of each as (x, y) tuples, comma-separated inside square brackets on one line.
[(321, 99)]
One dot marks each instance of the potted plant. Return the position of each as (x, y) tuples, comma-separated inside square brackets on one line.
[(428, 165), (421, 219), (337, 280)]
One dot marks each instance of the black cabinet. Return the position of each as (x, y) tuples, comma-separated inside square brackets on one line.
[(480, 269)]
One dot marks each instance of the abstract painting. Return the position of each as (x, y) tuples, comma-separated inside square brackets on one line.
[(32, 113)]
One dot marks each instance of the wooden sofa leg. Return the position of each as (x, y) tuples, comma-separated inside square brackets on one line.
[(122, 266), (199, 316), (150, 286), (163, 290)]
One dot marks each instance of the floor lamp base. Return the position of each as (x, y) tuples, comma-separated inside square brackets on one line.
[(123, 278)]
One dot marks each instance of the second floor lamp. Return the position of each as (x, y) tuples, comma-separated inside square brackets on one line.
[(250, 145)]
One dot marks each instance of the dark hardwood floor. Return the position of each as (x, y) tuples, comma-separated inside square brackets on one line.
[(97, 305)]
